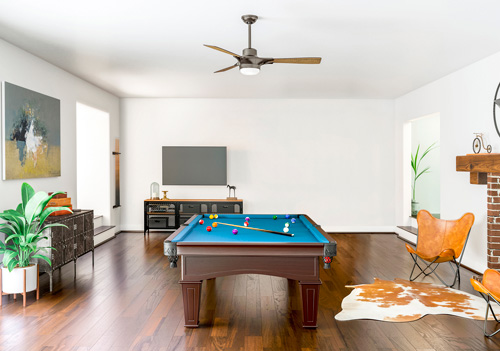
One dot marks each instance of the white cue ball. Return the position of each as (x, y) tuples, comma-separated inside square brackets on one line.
[(286, 229)]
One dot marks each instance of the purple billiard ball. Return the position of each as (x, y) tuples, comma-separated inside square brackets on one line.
[(235, 231), (247, 219), (287, 216), (293, 220)]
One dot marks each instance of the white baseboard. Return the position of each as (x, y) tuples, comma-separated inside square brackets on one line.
[(359, 229)]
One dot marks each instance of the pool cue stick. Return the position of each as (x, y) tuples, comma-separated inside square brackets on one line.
[(260, 230)]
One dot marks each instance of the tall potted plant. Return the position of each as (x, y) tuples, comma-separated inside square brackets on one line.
[(417, 173), (23, 229)]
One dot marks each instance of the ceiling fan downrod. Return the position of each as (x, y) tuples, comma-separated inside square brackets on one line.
[(249, 20)]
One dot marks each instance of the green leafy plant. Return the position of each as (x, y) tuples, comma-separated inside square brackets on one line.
[(415, 165), (24, 228)]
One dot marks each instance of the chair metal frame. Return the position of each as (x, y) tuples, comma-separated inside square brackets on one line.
[(425, 272), (488, 298)]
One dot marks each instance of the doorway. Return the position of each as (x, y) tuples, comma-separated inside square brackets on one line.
[(93, 161)]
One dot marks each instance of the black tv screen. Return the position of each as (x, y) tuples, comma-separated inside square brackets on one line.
[(194, 165)]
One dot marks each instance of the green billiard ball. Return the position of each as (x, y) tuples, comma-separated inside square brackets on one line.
[(275, 217)]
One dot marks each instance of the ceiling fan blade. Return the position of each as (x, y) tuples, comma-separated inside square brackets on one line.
[(303, 60), (221, 50), (226, 69)]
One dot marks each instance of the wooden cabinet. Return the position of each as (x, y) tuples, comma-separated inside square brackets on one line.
[(70, 242), (171, 214)]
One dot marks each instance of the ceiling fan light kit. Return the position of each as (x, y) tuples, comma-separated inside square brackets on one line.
[(249, 63)]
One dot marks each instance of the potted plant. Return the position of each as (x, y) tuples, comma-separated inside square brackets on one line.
[(23, 230), (417, 173)]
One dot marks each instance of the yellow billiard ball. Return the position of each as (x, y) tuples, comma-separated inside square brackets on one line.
[(211, 216), (216, 216)]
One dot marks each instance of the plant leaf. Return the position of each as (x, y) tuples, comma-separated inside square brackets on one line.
[(8, 257), (12, 264), (34, 206), (43, 257), (13, 236), (51, 226), (27, 193), (426, 170), (49, 210)]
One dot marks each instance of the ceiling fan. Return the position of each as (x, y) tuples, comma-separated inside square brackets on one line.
[(249, 63)]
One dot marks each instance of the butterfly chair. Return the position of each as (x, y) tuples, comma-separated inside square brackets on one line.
[(489, 289), (440, 241)]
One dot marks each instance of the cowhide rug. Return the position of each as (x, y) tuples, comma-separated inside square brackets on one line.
[(403, 301)]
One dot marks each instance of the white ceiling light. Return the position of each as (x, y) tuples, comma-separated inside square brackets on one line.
[(249, 70)]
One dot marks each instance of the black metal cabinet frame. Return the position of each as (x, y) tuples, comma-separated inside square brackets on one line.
[(70, 242), (171, 214)]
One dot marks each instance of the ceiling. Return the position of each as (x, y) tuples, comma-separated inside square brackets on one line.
[(154, 48)]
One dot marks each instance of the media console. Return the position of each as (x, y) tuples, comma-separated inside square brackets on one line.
[(172, 213)]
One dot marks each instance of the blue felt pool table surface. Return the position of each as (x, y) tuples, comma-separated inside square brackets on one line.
[(304, 231)]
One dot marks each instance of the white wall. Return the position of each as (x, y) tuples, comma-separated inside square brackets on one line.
[(23, 69), (331, 159), (93, 160), (464, 101)]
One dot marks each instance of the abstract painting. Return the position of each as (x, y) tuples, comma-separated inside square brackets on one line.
[(31, 134)]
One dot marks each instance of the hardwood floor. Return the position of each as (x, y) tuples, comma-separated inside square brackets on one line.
[(132, 300)]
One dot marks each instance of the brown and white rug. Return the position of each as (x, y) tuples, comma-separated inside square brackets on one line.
[(403, 301)]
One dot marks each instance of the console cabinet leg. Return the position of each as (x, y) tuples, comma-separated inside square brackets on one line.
[(309, 292), (191, 297)]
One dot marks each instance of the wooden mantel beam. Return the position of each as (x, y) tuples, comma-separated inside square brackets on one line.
[(478, 165)]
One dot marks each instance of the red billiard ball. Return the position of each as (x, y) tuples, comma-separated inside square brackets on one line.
[(245, 224), (209, 229), (201, 221)]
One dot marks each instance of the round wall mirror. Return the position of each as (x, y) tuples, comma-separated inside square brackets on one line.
[(496, 109)]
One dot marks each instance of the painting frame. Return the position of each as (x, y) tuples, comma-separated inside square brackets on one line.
[(31, 134)]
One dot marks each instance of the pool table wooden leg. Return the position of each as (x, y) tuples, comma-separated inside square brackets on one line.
[(309, 292), (191, 296)]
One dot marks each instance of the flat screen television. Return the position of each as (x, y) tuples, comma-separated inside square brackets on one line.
[(194, 165)]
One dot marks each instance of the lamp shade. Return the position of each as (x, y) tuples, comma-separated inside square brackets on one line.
[(249, 71)]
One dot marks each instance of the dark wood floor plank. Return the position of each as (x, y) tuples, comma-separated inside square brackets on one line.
[(132, 300)]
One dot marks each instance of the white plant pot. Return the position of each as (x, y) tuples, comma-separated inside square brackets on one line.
[(13, 282)]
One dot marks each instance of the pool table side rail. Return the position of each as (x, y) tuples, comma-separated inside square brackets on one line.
[(314, 228)]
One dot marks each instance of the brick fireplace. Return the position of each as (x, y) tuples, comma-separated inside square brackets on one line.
[(485, 169)]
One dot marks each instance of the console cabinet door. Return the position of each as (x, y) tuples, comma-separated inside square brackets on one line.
[(78, 225), (57, 254), (89, 240)]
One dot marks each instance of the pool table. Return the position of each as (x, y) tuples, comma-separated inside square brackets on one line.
[(206, 255)]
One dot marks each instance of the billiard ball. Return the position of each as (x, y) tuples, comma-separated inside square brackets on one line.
[(215, 224), (216, 216), (209, 229), (245, 224), (275, 217), (211, 217), (287, 216), (201, 221), (235, 231), (247, 219), (287, 224), (286, 229), (293, 220)]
